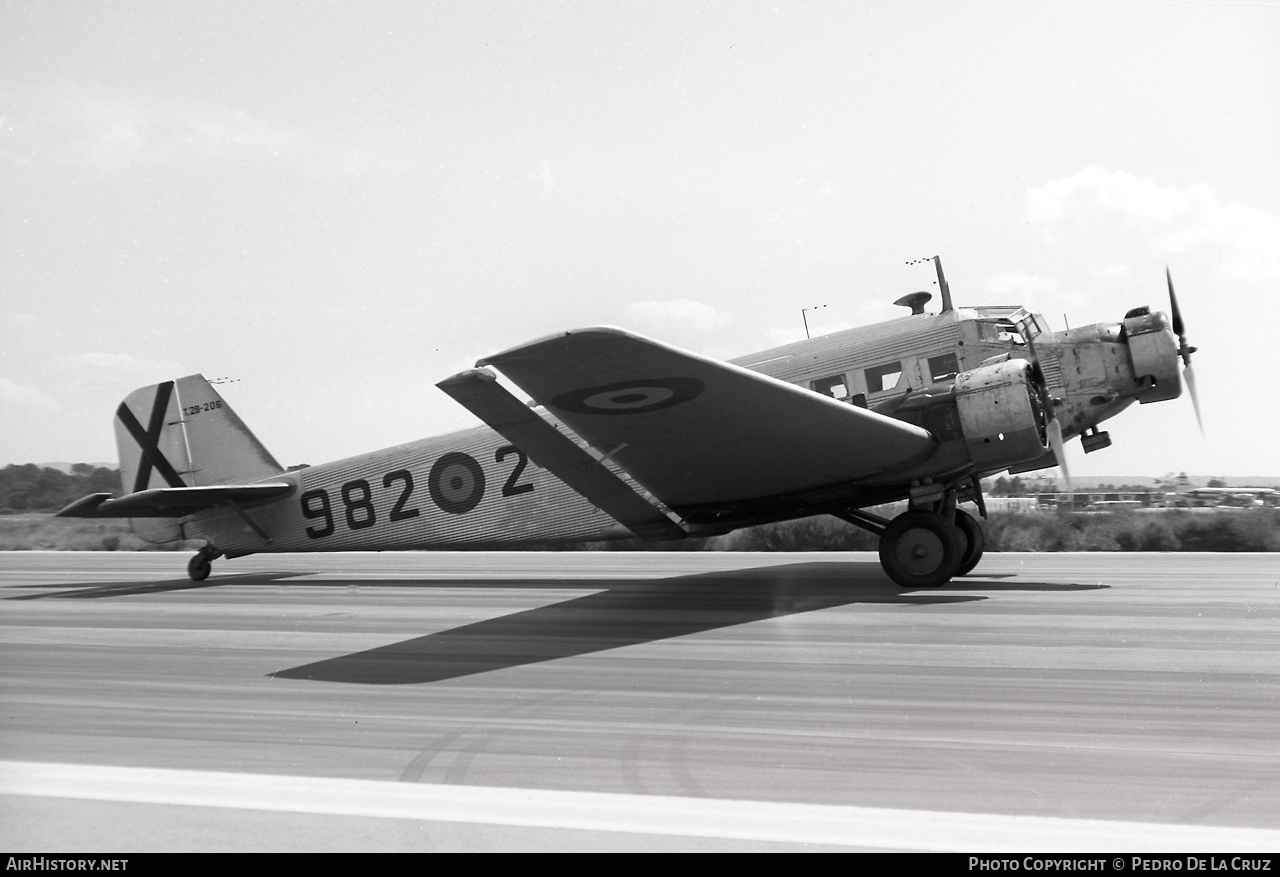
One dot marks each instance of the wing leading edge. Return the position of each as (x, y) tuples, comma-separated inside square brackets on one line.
[(697, 432)]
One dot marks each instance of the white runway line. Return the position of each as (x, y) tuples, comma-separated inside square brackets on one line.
[(878, 828)]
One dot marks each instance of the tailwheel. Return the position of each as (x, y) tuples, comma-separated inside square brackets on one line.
[(921, 549), (975, 541), (199, 566)]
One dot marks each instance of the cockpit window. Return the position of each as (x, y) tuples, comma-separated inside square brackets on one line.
[(1009, 332), (884, 377), (836, 386), (1029, 325), (1035, 326), (1001, 332)]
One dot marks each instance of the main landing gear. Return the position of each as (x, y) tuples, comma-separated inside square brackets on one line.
[(199, 567), (925, 547), (921, 549), (975, 543)]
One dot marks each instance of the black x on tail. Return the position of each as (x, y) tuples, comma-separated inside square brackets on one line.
[(149, 440)]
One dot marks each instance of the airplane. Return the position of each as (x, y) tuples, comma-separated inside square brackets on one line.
[(625, 436)]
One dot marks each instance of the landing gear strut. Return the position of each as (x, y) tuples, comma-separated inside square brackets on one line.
[(199, 567)]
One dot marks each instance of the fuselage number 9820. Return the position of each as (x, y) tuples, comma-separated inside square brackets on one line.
[(456, 484)]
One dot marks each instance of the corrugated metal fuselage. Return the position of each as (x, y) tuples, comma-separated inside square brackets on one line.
[(466, 489)]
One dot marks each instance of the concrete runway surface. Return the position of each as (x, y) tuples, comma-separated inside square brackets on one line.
[(638, 701)]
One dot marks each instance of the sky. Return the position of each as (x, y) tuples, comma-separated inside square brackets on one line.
[(334, 205)]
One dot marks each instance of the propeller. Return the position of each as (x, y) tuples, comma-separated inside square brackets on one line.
[(1184, 349), (1054, 432), (1053, 429)]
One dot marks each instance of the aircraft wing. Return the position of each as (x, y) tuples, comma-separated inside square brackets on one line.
[(170, 502), (699, 432)]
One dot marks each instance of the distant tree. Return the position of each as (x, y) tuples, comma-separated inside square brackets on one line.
[(32, 488), (1216, 482)]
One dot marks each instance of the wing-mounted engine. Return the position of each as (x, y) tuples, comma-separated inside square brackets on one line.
[(1002, 413)]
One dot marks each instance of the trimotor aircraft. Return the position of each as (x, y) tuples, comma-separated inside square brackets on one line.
[(625, 436)]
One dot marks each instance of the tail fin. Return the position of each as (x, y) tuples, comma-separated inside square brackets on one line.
[(183, 434)]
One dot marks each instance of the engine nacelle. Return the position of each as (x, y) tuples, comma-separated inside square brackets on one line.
[(1002, 413), (1153, 348)]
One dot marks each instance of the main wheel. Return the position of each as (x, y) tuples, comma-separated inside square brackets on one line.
[(975, 541), (921, 550), (199, 567)]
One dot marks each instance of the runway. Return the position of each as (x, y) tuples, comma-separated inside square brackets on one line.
[(628, 701)]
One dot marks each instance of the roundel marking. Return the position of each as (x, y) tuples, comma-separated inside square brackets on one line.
[(630, 397), (456, 483)]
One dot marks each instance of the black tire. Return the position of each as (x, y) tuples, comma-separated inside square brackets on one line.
[(921, 550), (199, 567), (975, 541)]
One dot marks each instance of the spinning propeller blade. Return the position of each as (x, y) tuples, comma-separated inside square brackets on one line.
[(1054, 432), (1184, 349), (1189, 377), (1053, 429)]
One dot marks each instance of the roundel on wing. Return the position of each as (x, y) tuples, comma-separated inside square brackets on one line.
[(630, 397), (456, 483)]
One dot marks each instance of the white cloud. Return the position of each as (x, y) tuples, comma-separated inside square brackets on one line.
[(1246, 240), (25, 394), (1110, 190), (681, 314)]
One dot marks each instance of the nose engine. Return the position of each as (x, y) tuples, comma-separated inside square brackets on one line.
[(1153, 351), (1144, 357)]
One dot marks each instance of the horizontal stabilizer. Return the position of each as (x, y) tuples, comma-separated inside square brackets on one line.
[(171, 502), (479, 392)]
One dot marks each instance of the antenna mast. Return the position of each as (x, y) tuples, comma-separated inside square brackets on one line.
[(804, 317), (943, 289), (942, 285)]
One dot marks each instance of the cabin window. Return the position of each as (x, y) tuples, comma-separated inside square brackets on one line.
[(836, 386), (943, 368), (884, 377)]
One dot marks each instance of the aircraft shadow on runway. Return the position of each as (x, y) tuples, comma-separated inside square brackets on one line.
[(623, 613), (98, 590)]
